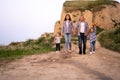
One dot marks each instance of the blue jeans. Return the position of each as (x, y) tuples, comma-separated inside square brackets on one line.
[(82, 39), (68, 38), (92, 46)]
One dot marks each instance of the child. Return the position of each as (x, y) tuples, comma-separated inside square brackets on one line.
[(57, 40), (92, 39)]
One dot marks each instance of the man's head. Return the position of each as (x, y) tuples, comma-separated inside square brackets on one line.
[(82, 18)]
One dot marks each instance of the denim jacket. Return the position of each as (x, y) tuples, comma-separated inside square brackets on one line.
[(70, 27)]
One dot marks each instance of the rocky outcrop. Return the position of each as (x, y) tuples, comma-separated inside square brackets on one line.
[(107, 17)]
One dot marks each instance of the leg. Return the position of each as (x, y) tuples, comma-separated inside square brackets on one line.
[(91, 47), (80, 44), (70, 38), (59, 46), (66, 41), (94, 45), (56, 47), (84, 44)]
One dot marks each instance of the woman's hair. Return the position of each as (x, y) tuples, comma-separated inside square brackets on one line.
[(66, 16)]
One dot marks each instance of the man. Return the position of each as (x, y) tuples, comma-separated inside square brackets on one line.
[(82, 28)]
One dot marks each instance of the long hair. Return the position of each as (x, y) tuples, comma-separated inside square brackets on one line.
[(66, 16)]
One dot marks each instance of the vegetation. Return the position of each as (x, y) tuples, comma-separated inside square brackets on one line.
[(17, 50), (99, 29), (96, 5), (111, 39)]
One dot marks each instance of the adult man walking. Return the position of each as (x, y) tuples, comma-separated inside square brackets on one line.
[(82, 28)]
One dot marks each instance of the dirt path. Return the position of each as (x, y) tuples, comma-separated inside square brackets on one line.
[(103, 65)]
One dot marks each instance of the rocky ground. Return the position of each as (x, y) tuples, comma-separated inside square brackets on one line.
[(103, 65)]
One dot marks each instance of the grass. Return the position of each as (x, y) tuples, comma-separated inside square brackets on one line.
[(87, 5), (111, 39), (99, 29), (17, 50)]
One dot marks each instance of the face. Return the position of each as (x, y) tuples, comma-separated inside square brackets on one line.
[(92, 30), (67, 17), (57, 34), (82, 18)]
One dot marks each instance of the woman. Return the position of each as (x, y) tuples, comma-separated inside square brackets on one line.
[(67, 30)]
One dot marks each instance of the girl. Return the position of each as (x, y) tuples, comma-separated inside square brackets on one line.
[(57, 40), (92, 39), (67, 30)]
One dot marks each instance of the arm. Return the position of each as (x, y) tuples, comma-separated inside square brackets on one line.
[(76, 28), (87, 30), (63, 29)]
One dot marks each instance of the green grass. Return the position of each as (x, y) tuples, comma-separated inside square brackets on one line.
[(111, 39), (17, 50), (99, 29), (87, 5)]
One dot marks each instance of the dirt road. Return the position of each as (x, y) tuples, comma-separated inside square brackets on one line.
[(103, 65)]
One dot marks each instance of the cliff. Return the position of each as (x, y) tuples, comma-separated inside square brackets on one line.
[(104, 13)]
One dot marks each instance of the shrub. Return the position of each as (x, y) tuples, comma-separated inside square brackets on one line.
[(111, 39), (99, 29)]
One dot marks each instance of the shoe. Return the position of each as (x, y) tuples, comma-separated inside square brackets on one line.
[(94, 52), (90, 52), (70, 51)]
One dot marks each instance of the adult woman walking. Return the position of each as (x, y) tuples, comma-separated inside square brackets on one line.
[(67, 30)]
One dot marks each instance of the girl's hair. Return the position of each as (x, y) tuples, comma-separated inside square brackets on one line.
[(58, 33), (66, 16), (92, 28)]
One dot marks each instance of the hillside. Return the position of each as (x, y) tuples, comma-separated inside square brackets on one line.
[(104, 12)]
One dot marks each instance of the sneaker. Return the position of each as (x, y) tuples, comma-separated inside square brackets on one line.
[(70, 51), (57, 51), (90, 52), (93, 51)]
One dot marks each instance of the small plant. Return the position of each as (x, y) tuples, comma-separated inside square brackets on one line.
[(99, 29), (111, 39)]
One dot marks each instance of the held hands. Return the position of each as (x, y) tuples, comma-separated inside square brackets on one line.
[(74, 32), (62, 35)]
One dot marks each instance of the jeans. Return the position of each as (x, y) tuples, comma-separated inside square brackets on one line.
[(82, 39), (92, 46), (68, 38), (57, 46)]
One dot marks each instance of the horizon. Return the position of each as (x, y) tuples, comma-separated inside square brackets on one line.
[(21, 20)]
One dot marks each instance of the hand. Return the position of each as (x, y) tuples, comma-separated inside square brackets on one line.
[(62, 35), (74, 32)]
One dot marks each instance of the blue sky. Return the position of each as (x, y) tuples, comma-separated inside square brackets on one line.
[(27, 19)]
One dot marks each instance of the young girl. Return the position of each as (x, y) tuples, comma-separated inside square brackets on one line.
[(92, 39), (57, 40)]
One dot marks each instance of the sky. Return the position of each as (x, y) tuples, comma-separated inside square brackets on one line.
[(27, 19), (21, 20)]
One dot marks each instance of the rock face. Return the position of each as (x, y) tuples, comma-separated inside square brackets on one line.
[(106, 18)]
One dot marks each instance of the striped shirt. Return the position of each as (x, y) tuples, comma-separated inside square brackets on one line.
[(93, 35)]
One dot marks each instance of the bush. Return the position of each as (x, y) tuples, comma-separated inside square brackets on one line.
[(111, 39), (96, 5), (99, 29), (41, 45)]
